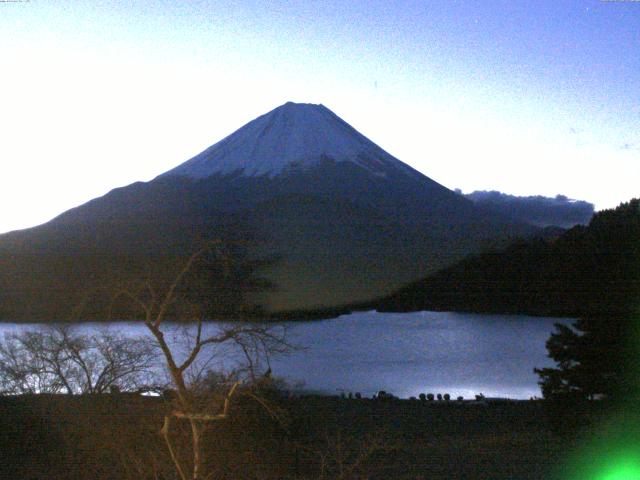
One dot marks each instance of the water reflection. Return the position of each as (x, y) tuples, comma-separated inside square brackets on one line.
[(406, 354)]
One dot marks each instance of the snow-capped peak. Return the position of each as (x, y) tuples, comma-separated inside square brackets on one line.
[(294, 134)]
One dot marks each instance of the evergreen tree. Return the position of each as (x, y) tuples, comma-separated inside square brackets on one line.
[(599, 354), (595, 357)]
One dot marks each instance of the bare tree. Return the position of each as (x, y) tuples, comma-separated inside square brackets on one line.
[(342, 455), (59, 359), (194, 403)]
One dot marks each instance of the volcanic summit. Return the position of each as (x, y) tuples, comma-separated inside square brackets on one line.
[(339, 219)]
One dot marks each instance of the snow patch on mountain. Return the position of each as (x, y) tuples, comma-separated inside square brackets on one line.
[(292, 136)]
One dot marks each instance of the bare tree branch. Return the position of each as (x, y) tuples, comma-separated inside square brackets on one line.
[(56, 358), (196, 403), (169, 298)]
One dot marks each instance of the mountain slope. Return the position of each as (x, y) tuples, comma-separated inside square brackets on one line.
[(291, 137), (339, 219), (587, 271)]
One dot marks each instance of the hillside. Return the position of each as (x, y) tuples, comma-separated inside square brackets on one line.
[(588, 270)]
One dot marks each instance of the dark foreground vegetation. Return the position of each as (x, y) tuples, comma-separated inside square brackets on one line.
[(116, 436)]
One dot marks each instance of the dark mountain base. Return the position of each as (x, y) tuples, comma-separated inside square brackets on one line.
[(328, 236)]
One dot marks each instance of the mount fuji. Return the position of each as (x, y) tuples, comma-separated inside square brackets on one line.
[(293, 136), (340, 220)]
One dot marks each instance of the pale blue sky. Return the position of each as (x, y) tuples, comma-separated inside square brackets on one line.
[(527, 97)]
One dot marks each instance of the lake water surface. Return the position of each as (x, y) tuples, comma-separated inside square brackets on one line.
[(407, 353)]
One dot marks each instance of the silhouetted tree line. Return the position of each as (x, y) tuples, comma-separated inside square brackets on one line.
[(588, 271)]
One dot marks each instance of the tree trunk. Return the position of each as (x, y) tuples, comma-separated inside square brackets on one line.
[(196, 435)]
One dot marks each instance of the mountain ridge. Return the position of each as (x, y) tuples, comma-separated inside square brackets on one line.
[(333, 232)]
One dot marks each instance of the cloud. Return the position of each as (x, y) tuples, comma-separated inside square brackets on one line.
[(542, 211)]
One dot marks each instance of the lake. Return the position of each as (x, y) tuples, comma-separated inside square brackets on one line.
[(406, 353)]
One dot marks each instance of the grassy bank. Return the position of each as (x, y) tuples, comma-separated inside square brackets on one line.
[(116, 436)]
